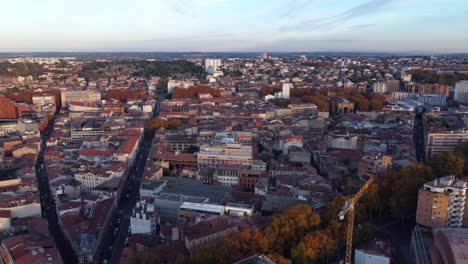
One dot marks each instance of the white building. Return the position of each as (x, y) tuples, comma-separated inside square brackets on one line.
[(212, 65), (285, 92), (461, 92), (380, 88), (376, 252), (143, 220)]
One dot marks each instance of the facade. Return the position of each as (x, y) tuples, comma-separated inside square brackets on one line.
[(442, 142), (42, 99), (373, 252), (212, 65), (341, 106), (225, 150), (441, 203), (342, 142), (380, 88), (143, 220), (9, 109), (461, 92), (88, 96)]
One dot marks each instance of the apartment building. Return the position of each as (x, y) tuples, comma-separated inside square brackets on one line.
[(442, 142), (441, 203), (225, 150)]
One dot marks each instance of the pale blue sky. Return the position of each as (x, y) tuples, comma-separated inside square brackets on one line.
[(434, 26)]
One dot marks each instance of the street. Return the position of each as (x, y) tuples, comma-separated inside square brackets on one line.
[(48, 203), (114, 241)]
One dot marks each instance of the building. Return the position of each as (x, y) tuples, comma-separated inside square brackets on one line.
[(39, 100), (9, 109), (143, 220), (450, 245), (225, 150), (373, 252), (264, 56), (380, 88), (341, 106), (461, 92), (83, 107), (285, 91), (342, 142), (206, 231), (81, 96), (441, 142), (373, 165), (393, 85), (256, 260), (441, 203), (212, 65)]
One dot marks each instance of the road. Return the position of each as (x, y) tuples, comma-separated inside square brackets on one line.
[(114, 241), (418, 136), (48, 203)]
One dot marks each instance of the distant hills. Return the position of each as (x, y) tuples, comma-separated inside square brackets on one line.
[(194, 55)]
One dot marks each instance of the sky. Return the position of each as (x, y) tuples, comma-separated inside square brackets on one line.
[(431, 26)]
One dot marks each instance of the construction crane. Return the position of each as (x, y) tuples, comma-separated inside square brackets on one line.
[(348, 207)]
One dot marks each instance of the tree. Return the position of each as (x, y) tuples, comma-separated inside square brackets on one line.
[(314, 246), (286, 230), (400, 189), (447, 163), (278, 259), (145, 258), (155, 124), (174, 123)]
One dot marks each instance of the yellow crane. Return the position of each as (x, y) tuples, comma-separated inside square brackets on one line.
[(348, 207)]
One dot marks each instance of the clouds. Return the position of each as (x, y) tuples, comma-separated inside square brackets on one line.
[(190, 7), (365, 9), (292, 7)]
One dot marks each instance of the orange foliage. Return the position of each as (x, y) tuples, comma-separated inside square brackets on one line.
[(181, 93)]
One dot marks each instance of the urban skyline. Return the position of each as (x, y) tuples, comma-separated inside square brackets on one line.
[(236, 26)]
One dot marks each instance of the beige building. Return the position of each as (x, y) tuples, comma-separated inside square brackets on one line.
[(441, 203), (80, 96), (442, 142)]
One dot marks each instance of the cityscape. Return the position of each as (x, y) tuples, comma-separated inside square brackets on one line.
[(298, 134)]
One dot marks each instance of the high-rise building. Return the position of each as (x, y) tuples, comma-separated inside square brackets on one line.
[(285, 91), (380, 88), (8, 109), (264, 56), (441, 142), (461, 92), (441, 203), (393, 85), (212, 65)]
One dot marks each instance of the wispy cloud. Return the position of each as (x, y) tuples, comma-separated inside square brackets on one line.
[(189, 7), (292, 7), (369, 8)]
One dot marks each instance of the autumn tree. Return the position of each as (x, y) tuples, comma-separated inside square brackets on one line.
[(447, 163), (155, 124), (286, 230), (278, 259), (174, 123), (313, 246)]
